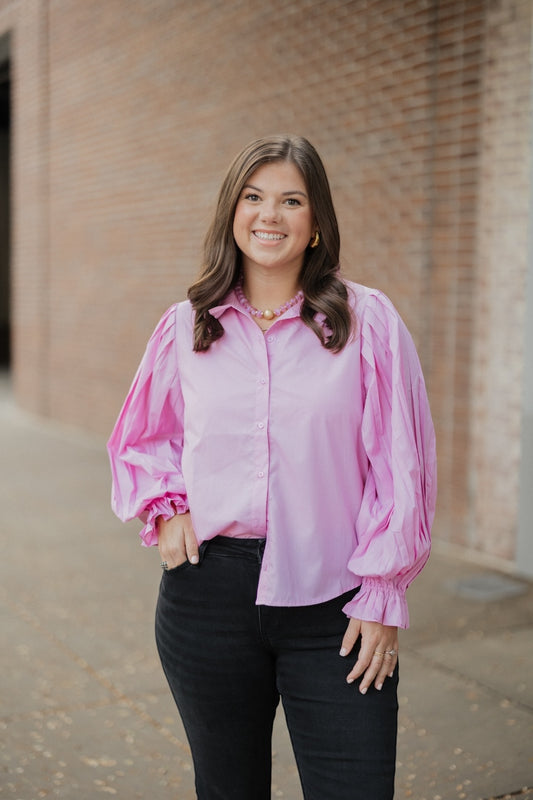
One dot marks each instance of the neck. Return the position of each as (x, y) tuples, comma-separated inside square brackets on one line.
[(269, 291)]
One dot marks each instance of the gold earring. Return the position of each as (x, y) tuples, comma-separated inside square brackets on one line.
[(316, 240)]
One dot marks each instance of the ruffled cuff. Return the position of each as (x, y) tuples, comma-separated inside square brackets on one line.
[(379, 600), (166, 507)]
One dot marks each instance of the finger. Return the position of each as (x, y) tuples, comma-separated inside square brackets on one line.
[(369, 668), (382, 666), (191, 545), (350, 637), (364, 661), (384, 672), (391, 660)]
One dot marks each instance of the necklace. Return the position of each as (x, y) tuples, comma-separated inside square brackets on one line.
[(268, 313)]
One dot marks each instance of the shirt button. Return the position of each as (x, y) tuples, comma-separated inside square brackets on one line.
[(261, 425), (260, 474), (270, 338)]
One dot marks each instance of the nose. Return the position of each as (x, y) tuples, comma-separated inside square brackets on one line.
[(270, 211)]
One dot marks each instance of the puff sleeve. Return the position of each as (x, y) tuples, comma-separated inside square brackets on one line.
[(398, 504), (146, 444)]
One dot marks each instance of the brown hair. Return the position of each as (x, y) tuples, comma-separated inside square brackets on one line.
[(324, 291)]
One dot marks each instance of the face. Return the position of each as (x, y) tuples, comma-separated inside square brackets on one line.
[(274, 222)]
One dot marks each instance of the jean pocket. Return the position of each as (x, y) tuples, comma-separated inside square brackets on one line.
[(178, 568), (185, 564)]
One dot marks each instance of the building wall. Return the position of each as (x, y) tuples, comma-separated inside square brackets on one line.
[(501, 266), (31, 289), (458, 56), (126, 116)]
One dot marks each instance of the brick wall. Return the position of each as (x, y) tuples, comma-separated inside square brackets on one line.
[(459, 57), (126, 116), (500, 273)]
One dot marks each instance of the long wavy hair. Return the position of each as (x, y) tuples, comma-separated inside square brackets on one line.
[(323, 289)]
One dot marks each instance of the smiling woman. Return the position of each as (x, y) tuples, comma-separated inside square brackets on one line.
[(278, 446), (324, 291), (273, 226)]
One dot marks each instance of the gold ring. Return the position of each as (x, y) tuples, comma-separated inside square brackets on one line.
[(377, 653)]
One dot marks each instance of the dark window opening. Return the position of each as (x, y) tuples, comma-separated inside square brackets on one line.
[(5, 221)]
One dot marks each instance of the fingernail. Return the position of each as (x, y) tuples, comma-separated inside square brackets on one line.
[(194, 559), (379, 687), (391, 674), (363, 691), (343, 651), (350, 680)]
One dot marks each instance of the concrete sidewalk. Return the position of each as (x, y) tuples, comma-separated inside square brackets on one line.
[(85, 710)]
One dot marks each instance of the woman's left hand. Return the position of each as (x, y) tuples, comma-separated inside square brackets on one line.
[(378, 654)]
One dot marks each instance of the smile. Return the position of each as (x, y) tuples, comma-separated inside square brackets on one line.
[(269, 236)]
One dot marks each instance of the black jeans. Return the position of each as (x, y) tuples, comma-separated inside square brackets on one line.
[(228, 661)]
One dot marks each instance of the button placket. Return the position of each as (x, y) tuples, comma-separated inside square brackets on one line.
[(260, 434)]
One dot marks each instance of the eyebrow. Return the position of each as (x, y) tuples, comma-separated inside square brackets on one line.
[(284, 194)]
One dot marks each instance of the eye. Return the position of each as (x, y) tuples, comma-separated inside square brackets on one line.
[(251, 196), (292, 201)]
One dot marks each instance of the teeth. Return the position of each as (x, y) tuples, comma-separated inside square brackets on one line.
[(261, 235)]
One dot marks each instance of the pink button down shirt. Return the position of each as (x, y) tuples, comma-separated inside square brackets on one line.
[(330, 457)]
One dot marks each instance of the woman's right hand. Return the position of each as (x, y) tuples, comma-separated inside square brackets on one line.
[(177, 540)]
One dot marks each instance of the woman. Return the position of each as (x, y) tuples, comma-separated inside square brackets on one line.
[(278, 445)]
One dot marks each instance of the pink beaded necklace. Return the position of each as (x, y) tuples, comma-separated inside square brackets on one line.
[(268, 313)]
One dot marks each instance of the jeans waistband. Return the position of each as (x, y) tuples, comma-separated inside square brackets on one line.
[(232, 547)]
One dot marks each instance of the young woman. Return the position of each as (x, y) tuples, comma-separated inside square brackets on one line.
[(278, 446)]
